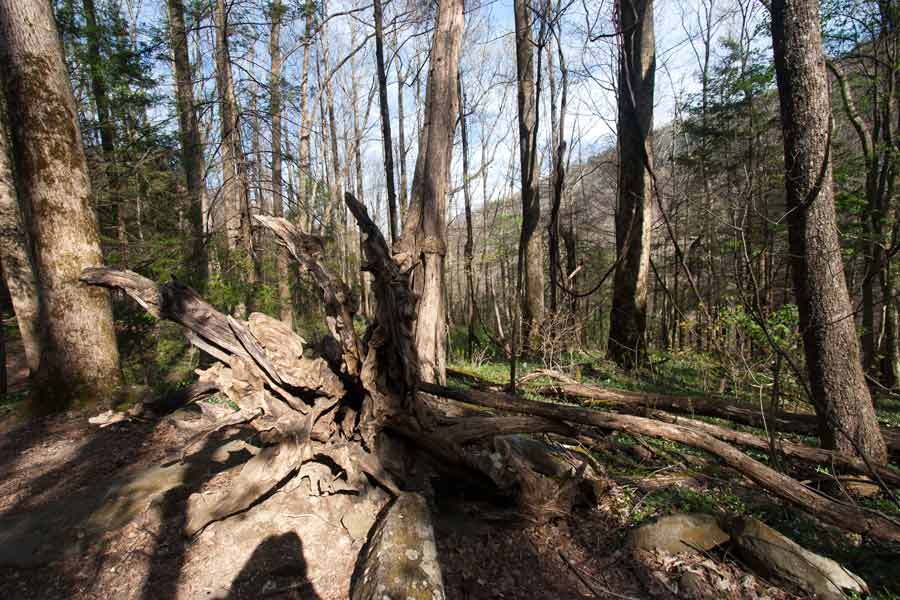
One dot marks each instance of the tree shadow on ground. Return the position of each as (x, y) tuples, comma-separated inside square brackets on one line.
[(42, 526), (74, 508), (276, 569)]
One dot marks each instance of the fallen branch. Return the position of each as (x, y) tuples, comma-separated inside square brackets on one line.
[(847, 516)]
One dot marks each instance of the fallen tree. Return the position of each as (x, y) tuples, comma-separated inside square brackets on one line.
[(344, 414), (783, 421), (848, 516)]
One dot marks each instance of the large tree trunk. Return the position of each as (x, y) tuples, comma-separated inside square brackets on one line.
[(79, 361), (191, 147), (281, 259), (841, 398), (634, 213), (424, 232), (234, 193), (530, 265), (15, 256)]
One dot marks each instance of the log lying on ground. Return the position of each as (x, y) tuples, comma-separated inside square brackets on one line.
[(788, 422), (854, 518), (788, 449)]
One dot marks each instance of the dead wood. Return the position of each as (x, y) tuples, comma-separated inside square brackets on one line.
[(854, 518), (708, 406)]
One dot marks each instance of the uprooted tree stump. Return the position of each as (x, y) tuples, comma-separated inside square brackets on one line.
[(349, 412)]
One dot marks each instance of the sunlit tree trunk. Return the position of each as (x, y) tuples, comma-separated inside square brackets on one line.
[(530, 251), (281, 259), (424, 231), (387, 140), (841, 398), (634, 212), (79, 361), (191, 147)]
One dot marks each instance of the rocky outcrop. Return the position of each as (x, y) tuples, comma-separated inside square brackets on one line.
[(400, 560)]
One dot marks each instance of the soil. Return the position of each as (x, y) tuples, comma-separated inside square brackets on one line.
[(70, 528)]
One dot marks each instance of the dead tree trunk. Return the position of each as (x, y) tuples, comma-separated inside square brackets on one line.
[(424, 241), (637, 64), (79, 361), (839, 392)]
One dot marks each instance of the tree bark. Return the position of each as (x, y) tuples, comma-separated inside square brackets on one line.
[(559, 174), (841, 398), (15, 256), (424, 241), (401, 132), (191, 147), (387, 140), (281, 260), (234, 193), (530, 248), (470, 243), (634, 213), (79, 360)]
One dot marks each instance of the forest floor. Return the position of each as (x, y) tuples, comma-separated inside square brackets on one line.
[(59, 475)]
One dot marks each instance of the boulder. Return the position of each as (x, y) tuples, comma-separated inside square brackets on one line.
[(688, 532), (400, 561), (774, 555)]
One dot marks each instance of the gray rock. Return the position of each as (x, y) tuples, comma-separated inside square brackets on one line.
[(774, 555), (401, 560), (688, 532)]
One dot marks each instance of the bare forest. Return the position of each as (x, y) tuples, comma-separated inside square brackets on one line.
[(531, 299)]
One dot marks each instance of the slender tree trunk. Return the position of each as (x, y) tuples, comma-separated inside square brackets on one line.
[(634, 214), (281, 259), (79, 360), (111, 222), (530, 260), (469, 247), (559, 174), (305, 159), (424, 232), (234, 196), (401, 132), (841, 398), (15, 256), (191, 147), (387, 140)]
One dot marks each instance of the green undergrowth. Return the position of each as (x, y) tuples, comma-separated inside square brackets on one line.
[(707, 486)]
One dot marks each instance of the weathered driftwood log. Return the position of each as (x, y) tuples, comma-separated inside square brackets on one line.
[(848, 516), (326, 423)]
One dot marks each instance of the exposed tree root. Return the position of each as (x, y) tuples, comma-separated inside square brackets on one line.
[(334, 423)]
